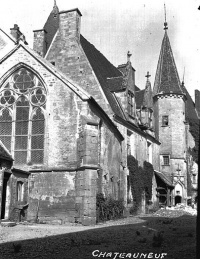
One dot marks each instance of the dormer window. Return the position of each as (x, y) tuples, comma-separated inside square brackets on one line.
[(145, 118), (130, 103), (165, 121)]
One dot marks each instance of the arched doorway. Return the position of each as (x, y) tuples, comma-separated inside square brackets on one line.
[(178, 199)]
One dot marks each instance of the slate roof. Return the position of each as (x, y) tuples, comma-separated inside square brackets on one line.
[(144, 97), (167, 79), (51, 26), (137, 88), (4, 153), (190, 112), (164, 177), (116, 84), (103, 70)]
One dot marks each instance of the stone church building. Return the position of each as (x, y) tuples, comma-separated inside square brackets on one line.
[(69, 118)]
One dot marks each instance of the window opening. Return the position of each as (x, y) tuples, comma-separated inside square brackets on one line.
[(37, 137), (21, 130), (194, 179), (6, 128), (22, 104), (20, 191), (166, 160), (165, 121)]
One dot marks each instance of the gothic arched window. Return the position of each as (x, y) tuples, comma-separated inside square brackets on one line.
[(22, 120)]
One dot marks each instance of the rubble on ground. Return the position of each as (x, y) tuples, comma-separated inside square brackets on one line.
[(7, 224), (177, 211)]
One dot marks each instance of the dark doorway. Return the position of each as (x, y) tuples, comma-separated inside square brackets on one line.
[(177, 199), (3, 200)]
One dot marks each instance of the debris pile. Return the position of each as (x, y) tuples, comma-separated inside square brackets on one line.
[(177, 211)]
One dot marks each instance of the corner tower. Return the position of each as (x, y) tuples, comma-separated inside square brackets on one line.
[(170, 128)]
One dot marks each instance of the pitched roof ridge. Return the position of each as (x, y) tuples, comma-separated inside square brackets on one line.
[(9, 36)]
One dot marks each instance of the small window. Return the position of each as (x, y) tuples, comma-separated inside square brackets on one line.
[(194, 179), (166, 160), (20, 191), (128, 149), (165, 121), (53, 63)]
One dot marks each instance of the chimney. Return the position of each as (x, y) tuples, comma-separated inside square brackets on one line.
[(70, 23), (15, 32), (17, 35), (39, 42), (197, 102)]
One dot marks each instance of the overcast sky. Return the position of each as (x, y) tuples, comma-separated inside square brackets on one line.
[(116, 26)]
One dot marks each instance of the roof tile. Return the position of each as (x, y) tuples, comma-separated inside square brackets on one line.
[(167, 79), (103, 70)]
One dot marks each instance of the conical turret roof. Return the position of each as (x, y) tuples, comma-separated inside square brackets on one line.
[(166, 79)]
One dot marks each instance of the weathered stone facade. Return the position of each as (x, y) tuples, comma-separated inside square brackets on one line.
[(89, 117), (175, 119)]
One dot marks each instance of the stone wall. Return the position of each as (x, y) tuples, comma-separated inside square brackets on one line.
[(52, 197), (72, 145), (61, 113), (38, 41), (172, 137), (70, 58), (62, 127), (86, 189), (110, 163)]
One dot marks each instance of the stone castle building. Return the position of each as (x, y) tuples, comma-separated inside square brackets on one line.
[(173, 122), (69, 118)]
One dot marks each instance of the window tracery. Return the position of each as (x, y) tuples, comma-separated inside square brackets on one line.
[(22, 120)]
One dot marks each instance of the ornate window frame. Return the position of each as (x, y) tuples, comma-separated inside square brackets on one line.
[(23, 96)]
